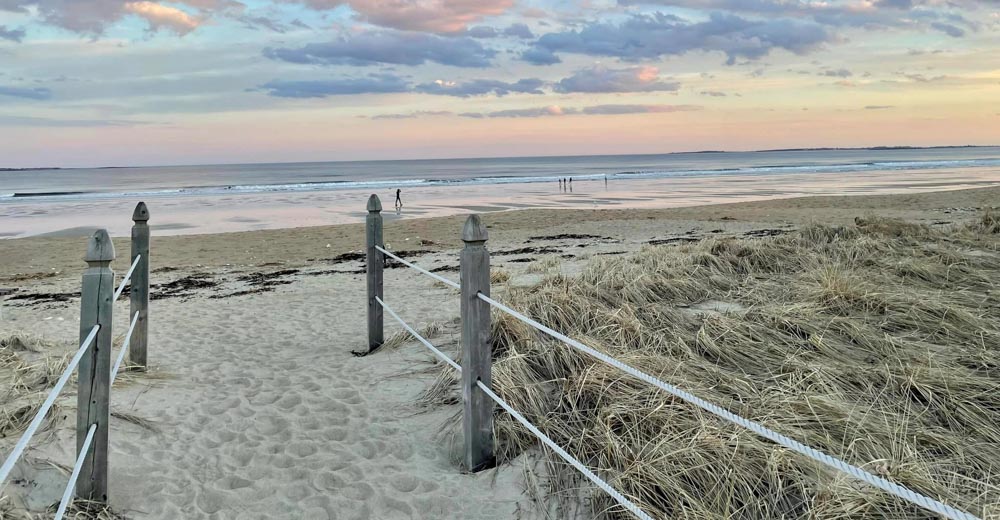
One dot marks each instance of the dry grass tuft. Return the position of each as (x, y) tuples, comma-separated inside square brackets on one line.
[(88, 510), (989, 223), (499, 276), (878, 343), (28, 369), (544, 264), (403, 337)]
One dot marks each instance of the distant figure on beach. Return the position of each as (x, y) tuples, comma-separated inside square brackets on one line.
[(605, 180), (399, 201)]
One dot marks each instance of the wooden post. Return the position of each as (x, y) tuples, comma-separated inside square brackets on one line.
[(477, 412), (93, 393), (376, 261), (139, 290)]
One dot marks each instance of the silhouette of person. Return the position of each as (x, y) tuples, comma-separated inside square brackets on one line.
[(399, 201)]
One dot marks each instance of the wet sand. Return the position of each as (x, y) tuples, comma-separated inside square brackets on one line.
[(258, 211)]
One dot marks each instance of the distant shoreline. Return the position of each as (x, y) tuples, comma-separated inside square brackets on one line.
[(768, 150)]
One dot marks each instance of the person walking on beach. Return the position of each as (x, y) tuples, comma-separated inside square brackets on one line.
[(399, 201)]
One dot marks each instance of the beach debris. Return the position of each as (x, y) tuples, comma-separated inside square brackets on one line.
[(528, 251), (757, 233), (40, 298), (182, 286), (570, 236), (260, 283), (671, 240), (23, 277)]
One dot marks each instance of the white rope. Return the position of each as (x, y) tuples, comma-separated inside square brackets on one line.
[(121, 355), (428, 273), (854, 471), (68, 494), (426, 343), (626, 503), (8, 464), (121, 286)]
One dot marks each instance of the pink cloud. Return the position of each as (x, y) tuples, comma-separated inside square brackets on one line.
[(440, 16), (161, 16)]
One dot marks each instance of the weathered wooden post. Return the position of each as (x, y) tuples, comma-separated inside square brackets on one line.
[(139, 290), (93, 393), (477, 412), (375, 260)]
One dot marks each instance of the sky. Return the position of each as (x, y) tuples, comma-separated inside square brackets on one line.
[(123, 82)]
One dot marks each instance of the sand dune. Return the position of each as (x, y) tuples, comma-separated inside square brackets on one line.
[(260, 410)]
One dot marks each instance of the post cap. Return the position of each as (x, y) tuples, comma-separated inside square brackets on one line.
[(100, 248), (374, 204), (141, 214), (474, 230)]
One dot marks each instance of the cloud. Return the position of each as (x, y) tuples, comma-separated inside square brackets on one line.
[(479, 87), (713, 93), (877, 107), (439, 16), (864, 14), (920, 78), (651, 36), (394, 84), (396, 47), (373, 84), (540, 56), (37, 93), (162, 16), (13, 35), (837, 73), (482, 31), (519, 30), (263, 22), (558, 111), (414, 115), (67, 123), (637, 109), (552, 110), (949, 29), (94, 16), (603, 79)]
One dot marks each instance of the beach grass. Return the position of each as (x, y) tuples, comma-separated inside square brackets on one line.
[(878, 343)]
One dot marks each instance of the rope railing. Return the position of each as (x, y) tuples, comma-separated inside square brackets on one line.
[(43, 410), (419, 269), (476, 360), (833, 462), (68, 493), (127, 277), (92, 360), (125, 344), (438, 353), (626, 503)]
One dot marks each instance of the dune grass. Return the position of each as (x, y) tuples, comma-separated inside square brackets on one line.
[(878, 343)]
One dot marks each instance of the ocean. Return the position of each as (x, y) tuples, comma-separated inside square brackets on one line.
[(239, 197)]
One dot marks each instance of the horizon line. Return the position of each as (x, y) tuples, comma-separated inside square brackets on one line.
[(765, 150)]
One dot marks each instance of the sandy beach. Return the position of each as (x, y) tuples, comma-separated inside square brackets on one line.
[(255, 406)]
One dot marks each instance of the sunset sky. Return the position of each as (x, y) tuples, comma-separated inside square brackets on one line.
[(116, 82)]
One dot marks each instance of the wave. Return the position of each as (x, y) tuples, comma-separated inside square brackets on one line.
[(510, 179)]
